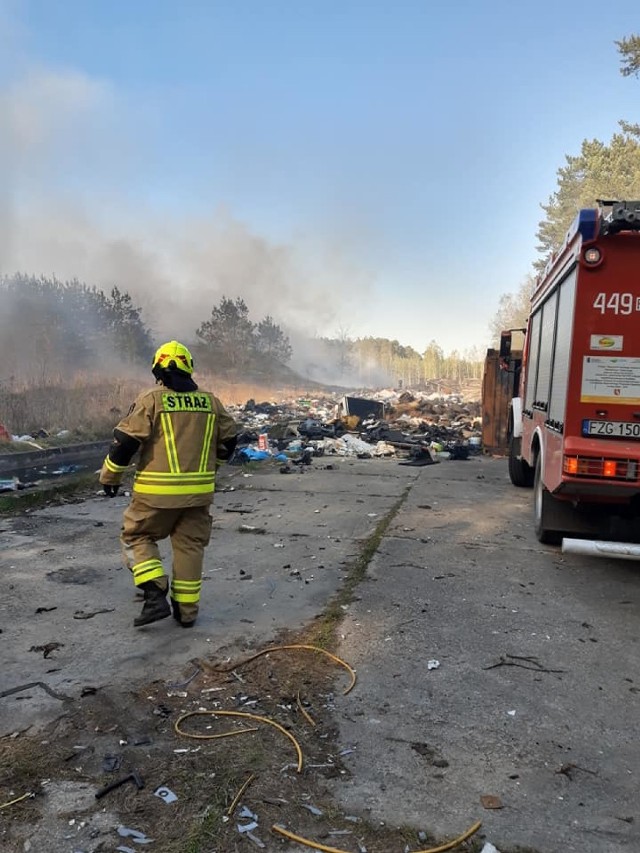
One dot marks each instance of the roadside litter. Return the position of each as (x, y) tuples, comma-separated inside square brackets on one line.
[(12, 485), (165, 794), (134, 777)]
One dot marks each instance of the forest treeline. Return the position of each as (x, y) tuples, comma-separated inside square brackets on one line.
[(52, 330)]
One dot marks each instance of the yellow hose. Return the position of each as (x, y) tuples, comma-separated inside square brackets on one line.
[(243, 788), (335, 659), (316, 846), (223, 734), (236, 714), (305, 713), (301, 840), (17, 800), (456, 841)]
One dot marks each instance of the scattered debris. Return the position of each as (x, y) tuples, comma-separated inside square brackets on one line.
[(429, 427), (137, 836), (567, 770), (165, 794), (26, 796), (489, 801), (178, 685), (12, 485), (250, 528), (531, 663), (433, 664), (61, 696), (81, 614), (134, 777), (47, 649), (111, 763)]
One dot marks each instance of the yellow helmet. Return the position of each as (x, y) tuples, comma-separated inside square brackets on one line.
[(173, 355)]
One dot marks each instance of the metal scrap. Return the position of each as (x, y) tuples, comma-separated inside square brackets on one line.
[(522, 661), (568, 768), (165, 794), (137, 836), (180, 685), (81, 614), (61, 696)]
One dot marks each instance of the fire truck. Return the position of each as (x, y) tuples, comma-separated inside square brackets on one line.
[(574, 425)]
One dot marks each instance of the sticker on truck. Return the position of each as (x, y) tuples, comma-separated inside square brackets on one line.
[(610, 380), (613, 343)]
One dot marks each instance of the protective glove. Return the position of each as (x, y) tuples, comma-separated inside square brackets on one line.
[(110, 491)]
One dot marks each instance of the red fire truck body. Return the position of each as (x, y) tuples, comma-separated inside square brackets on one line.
[(575, 425)]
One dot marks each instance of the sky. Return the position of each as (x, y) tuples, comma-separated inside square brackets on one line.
[(349, 167)]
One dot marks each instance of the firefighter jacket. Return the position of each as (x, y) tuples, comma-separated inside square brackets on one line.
[(181, 438)]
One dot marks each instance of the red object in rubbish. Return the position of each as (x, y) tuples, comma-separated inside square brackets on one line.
[(263, 441), (4, 433)]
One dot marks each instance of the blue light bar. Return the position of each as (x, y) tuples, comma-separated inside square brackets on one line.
[(585, 223)]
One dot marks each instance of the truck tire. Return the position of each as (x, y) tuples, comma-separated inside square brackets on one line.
[(543, 509), (520, 472)]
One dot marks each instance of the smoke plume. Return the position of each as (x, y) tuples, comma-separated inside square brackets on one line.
[(65, 211)]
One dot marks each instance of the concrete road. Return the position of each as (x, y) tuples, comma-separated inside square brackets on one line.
[(553, 732), (535, 698), (281, 545)]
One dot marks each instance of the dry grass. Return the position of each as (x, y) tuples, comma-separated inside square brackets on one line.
[(237, 393), (89, 405)]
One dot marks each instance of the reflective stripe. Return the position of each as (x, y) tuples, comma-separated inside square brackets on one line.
[(148, 570), (193, 489), (155, 483), (187, 592), (206, 446), (115, 469), (196, 476), (170, 442)]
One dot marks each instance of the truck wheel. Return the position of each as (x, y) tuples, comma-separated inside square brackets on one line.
[(543, 507), (520, 472)]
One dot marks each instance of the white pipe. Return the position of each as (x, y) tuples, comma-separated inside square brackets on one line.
[(594, 548)]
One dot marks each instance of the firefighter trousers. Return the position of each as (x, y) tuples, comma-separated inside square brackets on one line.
[(189, 529)]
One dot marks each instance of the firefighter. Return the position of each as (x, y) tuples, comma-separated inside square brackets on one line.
[(182, 435)]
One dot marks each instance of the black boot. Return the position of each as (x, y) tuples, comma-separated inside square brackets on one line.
[(178, 616), (155, 605)]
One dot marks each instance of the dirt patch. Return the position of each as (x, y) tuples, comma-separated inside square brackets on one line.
[(108, 735)]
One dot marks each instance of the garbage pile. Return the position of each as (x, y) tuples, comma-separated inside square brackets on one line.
[(416, 427)]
